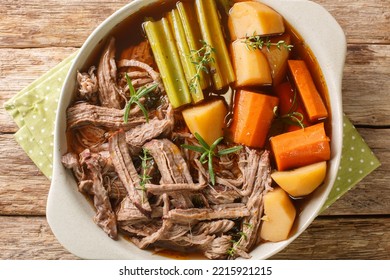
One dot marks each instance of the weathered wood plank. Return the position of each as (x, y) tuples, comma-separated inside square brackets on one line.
[(341, 238), (363, 20), (366, 84), (29, 238), (23, 189), (326, 238), (36, 23)]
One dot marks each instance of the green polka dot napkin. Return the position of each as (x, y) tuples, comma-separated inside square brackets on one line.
[(357, 161), (34, 110)]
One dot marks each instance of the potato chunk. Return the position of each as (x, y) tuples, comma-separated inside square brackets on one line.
[(253, 18), (277, 58), (251, 66), (301, 181), (279, 216), (207, 119)]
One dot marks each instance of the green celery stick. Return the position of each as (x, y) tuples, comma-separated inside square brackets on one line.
[(168, 61), (222, 70), (185, 56), (193, 35)]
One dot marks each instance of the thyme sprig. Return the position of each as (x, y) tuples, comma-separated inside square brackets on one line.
[(207, 153), (135, 97), (232, 251), (144, 177), (255, 42), (202, 58)]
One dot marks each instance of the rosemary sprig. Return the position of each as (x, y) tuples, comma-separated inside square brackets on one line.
[(231, 252), (207, 153), (202, 58), (144, 177), (135, 97), (255, 42)]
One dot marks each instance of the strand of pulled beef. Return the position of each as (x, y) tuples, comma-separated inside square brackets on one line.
[(105, 216), (108, 94), (127, 173)]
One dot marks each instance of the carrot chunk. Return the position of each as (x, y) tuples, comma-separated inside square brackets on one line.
[(311, 99), (252, 117), (290, 104), (301, 147)]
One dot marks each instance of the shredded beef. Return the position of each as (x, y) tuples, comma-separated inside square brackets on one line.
[(108, 93), (143, 182), (127, 173), (82, 113)]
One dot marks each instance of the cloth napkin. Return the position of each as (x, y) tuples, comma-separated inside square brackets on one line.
[(34, 110)]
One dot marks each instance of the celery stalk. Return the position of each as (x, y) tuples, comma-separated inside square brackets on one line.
[(168, 61), (192, 34), (185, 56), (222, 70)]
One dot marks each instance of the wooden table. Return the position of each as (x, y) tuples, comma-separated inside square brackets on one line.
[(36, 35)]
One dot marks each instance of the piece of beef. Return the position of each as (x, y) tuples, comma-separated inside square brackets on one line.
[(174, 188), (139, 135), (248, 163), (219, 247), (129, 213), (87, 137), (214, 227), (127, 173), (107, 71), (116, 191), (71, 161), (220, 194), (140, 230), (172, 167), (82, 113), (251, 224), (194, 215), (105, 216), (145, 67), (88, 85), (169, 160)]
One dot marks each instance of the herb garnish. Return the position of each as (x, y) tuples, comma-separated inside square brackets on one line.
[(135, 97), (236, 243), (207, 153), (201, 58), (144, 177), (292, 117), (255, 42)]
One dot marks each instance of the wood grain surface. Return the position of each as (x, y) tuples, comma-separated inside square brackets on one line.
[(36, 35)]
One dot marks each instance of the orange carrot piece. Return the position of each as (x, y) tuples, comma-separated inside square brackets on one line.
[(310, 97), (290, 102), (301, 147), (252, 117)]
